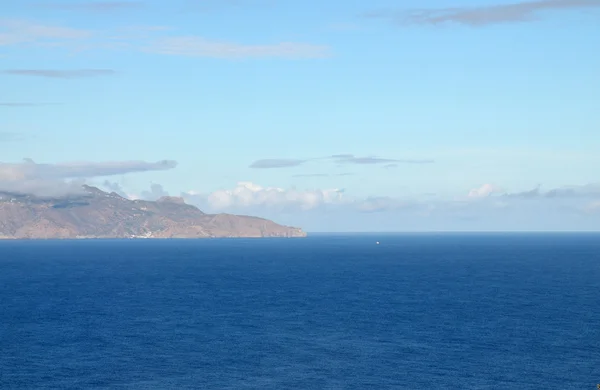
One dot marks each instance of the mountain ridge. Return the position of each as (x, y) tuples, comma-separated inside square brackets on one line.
[(94, 214)]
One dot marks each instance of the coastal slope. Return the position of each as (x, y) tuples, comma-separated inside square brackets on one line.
[(98, 214)]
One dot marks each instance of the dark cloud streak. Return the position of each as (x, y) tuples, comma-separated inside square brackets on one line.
[(337, 158), (484, 15), (351, 159), (276, 163)]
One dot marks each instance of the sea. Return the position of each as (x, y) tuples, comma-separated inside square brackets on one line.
[(416, 311)]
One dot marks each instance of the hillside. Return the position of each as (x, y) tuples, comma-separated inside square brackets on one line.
[(98, 214)]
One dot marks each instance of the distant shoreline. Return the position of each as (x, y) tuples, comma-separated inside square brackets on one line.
[(140, 238)]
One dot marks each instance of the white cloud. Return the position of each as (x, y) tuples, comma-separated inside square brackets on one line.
[(248, 197), (251, 195), (484, 191)]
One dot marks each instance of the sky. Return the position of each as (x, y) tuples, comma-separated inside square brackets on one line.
[(453, 115)]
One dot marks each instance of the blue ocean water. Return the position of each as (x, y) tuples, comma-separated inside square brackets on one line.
[(418, 311)]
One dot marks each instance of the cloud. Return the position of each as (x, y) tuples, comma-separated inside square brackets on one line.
[(52, 179), (149, 39), (529, 194), (592, 207), (574, 191), (193, 46), (484, 191), (23, 104), (251, 198), (114, 187), (93, 6), (352, 159), (485, 15), (60, 74), (336, 207), (212, 5), (13, 32), (324, 174), (8, 136), (156, 191), (566, 200), (247, 195), (566, 192), (276, 163), (43, 187), (312, 175), (337, 158), (375, 204), (86, 169)]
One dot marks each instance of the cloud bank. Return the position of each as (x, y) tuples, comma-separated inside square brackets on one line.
[(247, 195), (60, 179), (486, 207)]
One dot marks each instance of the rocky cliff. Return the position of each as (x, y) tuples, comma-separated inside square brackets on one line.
[(97, 214)]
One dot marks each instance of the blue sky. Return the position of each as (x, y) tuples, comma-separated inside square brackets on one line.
[(462, 115)]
